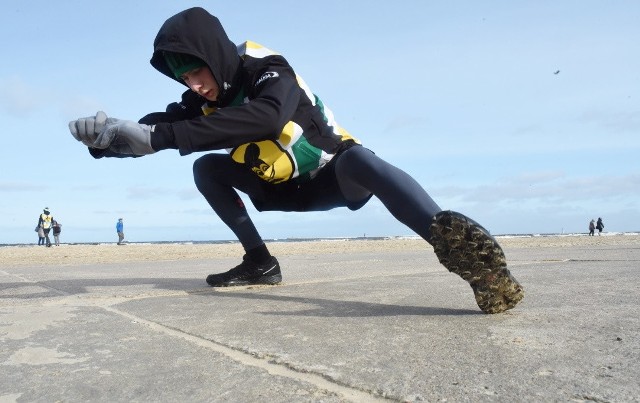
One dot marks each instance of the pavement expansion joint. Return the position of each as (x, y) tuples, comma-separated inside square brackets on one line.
[(267, 363)]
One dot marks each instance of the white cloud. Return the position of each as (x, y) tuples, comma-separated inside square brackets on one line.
[(551, 188), (616, 122), (76, 106), (17, 98), (6, 187), (147, 192)]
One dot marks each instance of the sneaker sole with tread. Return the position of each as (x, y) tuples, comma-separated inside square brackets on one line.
[(465, 248), (268, 280)]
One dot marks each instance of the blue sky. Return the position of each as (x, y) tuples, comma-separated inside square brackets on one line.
[(460, 94)]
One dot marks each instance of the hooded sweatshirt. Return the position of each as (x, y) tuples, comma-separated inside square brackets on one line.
[(266, 117)]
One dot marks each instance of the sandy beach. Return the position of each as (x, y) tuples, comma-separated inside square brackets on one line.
[(112, 253)]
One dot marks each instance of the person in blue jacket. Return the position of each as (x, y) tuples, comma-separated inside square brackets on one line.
[(286, 151), (120, 231)]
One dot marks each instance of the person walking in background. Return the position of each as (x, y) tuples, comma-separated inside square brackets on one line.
[(599, 226), (46, 221), (40, 232), (120, 231), (285, 151), (57, 228), (592, 227)]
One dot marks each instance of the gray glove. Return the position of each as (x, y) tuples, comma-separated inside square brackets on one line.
[(119, 136), (125, 137), (86, 130)]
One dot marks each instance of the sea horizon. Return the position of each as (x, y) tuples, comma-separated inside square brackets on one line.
[(318, 239)]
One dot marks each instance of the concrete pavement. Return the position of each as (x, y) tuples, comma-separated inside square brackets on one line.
[(362, 327)]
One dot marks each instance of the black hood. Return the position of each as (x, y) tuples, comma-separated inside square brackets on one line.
[(200, 34)]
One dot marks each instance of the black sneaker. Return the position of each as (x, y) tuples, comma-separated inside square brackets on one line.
[(247, 273), (465, 248)]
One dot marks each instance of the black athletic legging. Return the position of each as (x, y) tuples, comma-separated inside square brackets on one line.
[(348, 180)]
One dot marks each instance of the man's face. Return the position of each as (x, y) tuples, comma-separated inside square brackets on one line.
[(201, 81)]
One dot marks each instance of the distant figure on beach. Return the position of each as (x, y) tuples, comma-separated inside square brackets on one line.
[(599, 226), (286, 151), (45, 220), (57, 229), (40, 232), (592, 227), (120, 231)]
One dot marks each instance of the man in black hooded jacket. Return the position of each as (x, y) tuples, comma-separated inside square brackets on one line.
[(285, 151)]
